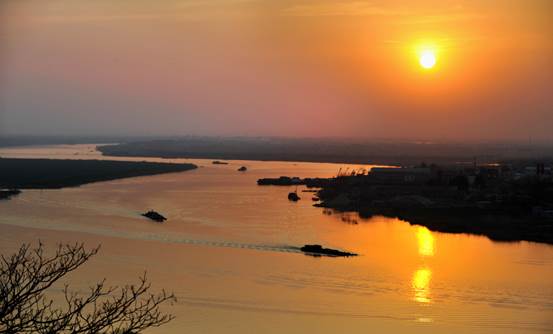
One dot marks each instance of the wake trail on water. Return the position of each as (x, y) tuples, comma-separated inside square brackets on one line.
[(227, 244), (152, 237)]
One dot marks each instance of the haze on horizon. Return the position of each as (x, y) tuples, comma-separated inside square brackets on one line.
[(277, 68)]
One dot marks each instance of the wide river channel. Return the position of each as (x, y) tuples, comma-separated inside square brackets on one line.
[(227, 252)]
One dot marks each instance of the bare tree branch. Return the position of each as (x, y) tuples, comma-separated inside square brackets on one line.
[(26, 276)]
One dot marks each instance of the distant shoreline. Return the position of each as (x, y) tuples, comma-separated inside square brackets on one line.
[(255, 157), (57, 173), (326, 151)]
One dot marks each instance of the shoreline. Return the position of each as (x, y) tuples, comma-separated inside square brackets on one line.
[(259, 157), (322, 151), (26, 173), (517, 210), (496, 226), (8, 194), (509, 221)]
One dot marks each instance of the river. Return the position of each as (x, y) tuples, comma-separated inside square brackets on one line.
[(227, 253)]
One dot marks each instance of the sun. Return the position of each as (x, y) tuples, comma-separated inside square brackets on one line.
[(427, 59)]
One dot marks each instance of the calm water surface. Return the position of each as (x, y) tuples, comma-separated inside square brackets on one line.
[(227, 253)]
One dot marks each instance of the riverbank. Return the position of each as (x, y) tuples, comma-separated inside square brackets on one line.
[(496, 225), (7, 194), (502, 202), (54, 174), (521, 213), (324, 150)]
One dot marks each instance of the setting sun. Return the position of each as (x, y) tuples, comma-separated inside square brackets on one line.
[(427, 59), (279, 166)]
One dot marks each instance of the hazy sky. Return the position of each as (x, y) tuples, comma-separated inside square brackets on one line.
[(277, 67)]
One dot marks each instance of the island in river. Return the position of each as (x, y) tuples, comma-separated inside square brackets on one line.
[(53, 173)]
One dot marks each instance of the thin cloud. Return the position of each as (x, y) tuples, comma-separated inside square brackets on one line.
[(98, 18), (354, 8), (401, 15)]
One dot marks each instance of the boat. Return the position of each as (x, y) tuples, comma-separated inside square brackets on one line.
[(155, 216), (242, 169), (293, 196), (318, 250)]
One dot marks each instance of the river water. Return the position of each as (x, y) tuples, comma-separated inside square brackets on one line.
[(227, 252)]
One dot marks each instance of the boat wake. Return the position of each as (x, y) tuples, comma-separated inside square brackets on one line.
[(157, 237)]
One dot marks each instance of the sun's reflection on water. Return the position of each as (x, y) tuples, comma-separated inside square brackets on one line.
[(421, 285), (426, 241), (420, 281)]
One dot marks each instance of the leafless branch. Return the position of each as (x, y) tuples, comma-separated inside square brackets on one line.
[(26, 276)]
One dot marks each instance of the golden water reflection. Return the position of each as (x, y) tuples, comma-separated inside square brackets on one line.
[(421, 285), (426, 241), (421, 278)]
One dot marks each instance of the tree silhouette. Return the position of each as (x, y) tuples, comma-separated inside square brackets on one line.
[(26, 276)]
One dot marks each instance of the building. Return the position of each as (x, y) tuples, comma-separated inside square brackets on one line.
[(387, 175)]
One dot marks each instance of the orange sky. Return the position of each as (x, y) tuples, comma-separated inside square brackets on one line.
[(290, 68)]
